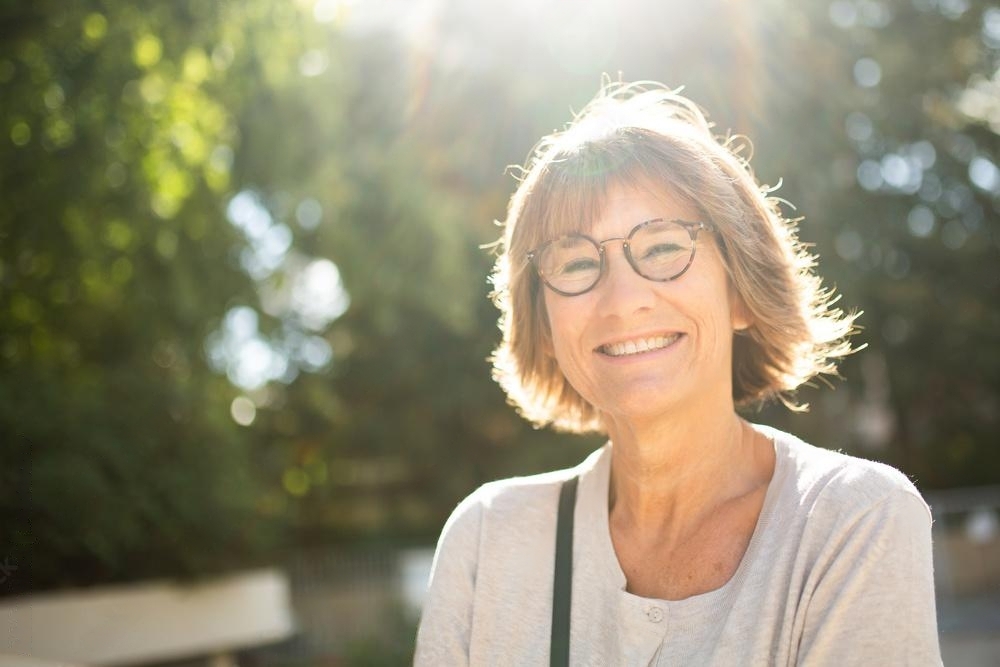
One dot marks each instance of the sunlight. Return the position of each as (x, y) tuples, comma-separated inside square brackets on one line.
[(304, 294), (984, 174), (268, 242), (318, 296), (243, 411), (309, 213), (239, 350)]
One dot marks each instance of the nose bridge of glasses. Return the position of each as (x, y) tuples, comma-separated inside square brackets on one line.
[(626, 254), (623, 239)]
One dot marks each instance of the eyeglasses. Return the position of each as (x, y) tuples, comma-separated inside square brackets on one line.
[(659, 250)]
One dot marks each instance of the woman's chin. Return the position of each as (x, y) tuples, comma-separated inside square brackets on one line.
[(641, 408)]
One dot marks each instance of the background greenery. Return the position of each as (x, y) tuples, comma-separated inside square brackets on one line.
[(242, 299)]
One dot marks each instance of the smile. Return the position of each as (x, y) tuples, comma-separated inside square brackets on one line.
[(637, 346)]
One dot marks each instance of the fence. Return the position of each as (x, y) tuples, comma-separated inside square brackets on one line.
[(351, 607), (967, 560)]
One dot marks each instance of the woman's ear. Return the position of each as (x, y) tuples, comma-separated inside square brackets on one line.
[(740, 315)]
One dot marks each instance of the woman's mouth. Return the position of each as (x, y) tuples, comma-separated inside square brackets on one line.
[(637, 346)]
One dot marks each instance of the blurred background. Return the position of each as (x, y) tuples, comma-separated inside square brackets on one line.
[(243, 302)]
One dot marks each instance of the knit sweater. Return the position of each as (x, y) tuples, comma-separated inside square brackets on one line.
[(838, 572)]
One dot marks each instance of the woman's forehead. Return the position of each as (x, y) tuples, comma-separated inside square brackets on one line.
[(615, 202)]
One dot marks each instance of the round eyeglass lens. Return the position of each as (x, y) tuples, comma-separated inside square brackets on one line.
[(571, 264), (661, 249)]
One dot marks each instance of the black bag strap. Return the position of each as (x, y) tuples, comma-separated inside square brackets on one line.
[(562, 588)]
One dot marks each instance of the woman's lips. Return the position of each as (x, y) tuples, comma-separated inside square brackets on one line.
[(638, 345)]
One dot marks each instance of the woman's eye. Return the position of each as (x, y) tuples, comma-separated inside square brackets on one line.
[(660, 250), (579, 265)]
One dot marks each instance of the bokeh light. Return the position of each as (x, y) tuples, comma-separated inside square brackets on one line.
[(243, 411)]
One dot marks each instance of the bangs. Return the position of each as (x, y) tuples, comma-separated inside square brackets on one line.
[(574, 198), (572, 206)]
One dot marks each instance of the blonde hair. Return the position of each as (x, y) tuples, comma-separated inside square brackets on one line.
[(646, 134)]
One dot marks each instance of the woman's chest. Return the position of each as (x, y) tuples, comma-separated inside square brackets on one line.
[(700, 561)]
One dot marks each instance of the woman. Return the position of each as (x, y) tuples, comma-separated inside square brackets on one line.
[(648, 288)]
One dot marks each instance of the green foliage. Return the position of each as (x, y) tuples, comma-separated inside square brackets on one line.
[(121, 458), (127, 132), (900, 197)]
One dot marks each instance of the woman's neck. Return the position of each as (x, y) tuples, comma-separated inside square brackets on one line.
[(667, 476)]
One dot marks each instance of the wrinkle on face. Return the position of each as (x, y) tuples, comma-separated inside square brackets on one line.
[(700, 305)]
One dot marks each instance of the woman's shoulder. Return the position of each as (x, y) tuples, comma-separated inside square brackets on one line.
[(822, 477), (530, 497), (522, 489)]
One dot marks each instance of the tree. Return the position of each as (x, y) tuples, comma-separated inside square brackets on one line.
[(243, 299), (900, 197), (120, 458)]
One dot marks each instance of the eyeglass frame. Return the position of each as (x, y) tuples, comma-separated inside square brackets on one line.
[(692, 228)]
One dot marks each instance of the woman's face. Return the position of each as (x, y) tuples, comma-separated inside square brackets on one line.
[(600, 338)]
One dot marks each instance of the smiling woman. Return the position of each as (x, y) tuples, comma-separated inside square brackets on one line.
[(648, 333), (648, 286), (661, 142)]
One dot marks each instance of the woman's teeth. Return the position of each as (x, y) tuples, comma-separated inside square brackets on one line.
[(638, 346)]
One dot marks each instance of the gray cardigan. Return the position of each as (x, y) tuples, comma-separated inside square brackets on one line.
[(838, 572)]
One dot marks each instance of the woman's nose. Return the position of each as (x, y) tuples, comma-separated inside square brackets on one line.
[(622, 290)]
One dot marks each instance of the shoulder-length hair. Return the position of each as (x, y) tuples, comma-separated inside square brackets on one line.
[(647, 135)]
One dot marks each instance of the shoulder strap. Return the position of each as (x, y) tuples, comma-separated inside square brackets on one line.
[(562, 588)]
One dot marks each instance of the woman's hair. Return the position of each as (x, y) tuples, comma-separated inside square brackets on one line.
[(645, 135)]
